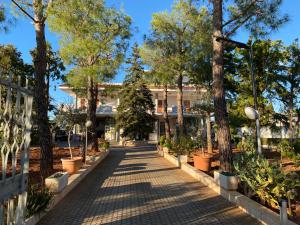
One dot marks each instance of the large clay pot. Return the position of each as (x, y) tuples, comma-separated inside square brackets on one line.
[(203, 162), (71, 165)]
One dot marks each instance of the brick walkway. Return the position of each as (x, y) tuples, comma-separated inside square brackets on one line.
[(136, 186)]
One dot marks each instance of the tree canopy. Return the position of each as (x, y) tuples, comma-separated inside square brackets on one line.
[(93, 38)]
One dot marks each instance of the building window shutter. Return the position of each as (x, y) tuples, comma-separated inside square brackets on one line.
[(159, 106), (187, 105), (82, 103)]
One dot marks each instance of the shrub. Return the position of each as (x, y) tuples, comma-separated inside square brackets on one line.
[(246, 144), (168, 144), (38, 200), (266, 180), (287, 150), (198, 143), (162, 140), (104, 145), (296, 145), (183, 146)]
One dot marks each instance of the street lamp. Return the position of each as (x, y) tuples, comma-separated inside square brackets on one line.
[(87, 125), (253, 113)]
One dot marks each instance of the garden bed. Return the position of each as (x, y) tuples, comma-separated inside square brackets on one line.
[(251, 206), (34, 161), (271, 155)]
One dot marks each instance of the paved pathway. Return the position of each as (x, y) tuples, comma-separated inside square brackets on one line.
[(136, 186)]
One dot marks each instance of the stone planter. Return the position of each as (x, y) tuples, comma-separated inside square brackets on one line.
[(182, 158), (203, 162), (166, 149), (71, 165), (227, 181), (57, 182)]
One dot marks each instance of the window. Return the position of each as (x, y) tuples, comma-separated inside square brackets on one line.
[(82, 103), (160, 106), (187, 105)]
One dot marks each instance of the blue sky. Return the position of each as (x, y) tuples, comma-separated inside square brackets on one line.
[(23, 37)]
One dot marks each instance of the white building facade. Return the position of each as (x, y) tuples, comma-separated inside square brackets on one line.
[(107, 109)]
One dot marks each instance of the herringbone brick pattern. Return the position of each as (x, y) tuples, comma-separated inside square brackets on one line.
[(136, 186)]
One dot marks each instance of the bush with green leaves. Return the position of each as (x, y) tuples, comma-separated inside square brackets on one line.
[(162, 140), (287, 150), (266, 180), (198, 143), (104, 145), (38, 200), (246, 144), (168, 144), (183, 146), (296, 145)]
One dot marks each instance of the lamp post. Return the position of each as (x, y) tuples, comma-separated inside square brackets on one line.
[(87, 125), (254, 112)]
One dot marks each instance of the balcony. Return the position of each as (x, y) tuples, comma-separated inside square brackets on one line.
[(105, 109)]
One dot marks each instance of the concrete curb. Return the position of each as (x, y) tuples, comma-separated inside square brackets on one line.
[(73, 181), (256, 210)]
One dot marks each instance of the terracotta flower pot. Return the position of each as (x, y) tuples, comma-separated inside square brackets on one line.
[(71, 165), (203, 162)]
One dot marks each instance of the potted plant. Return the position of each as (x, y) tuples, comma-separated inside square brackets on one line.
[(161, 143), (57, 182), (203, 160), (104, 145), (226, 180), (67, 119), (182, 148), (167, 146)]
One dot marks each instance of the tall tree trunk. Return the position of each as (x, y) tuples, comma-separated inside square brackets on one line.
[(40, 65), (223, 133), (166, 116), (291, 125), (91, 111), (208, 134), (179, 105)]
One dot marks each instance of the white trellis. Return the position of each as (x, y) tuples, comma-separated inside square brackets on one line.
[(15, 128)]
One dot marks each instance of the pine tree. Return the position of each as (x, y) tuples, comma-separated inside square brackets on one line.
[(260, 18), (94, 39), (136, 109)]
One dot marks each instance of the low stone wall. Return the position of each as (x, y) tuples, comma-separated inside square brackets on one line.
[(73, 181), (256, 210)]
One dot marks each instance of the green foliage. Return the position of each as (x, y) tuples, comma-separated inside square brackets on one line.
[(2, 13), (55, 65), (162, 140), (136, 109), (5, 21), (285, 146), (246, 144), (94, 38), (11, 62), (104, 145), (168, 144), (66, 117), (199, 143), (180, 41), (258, 17), (287, 150), (38, 200), (183, 146), (265, 179), (296, 145)]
